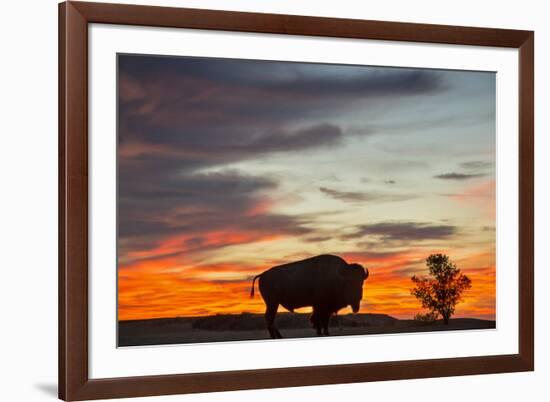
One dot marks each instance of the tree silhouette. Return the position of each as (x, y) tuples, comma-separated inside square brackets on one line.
[(441, 293)]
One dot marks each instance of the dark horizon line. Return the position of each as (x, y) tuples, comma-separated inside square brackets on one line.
[(288, 312)]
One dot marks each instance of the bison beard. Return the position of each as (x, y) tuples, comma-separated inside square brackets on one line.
[(325, 282)]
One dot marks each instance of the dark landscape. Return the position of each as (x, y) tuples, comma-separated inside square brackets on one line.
[(247, 326)]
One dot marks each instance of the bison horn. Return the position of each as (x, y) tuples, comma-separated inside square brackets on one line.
[(366, 274)]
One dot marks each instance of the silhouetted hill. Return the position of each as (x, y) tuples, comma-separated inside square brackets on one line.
[(248, 326)]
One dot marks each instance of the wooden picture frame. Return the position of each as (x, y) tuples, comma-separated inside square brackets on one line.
[(74, 381)]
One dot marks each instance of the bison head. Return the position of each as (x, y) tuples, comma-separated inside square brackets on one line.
[(354, 275)]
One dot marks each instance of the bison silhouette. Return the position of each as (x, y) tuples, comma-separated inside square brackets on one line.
[(325, 282)]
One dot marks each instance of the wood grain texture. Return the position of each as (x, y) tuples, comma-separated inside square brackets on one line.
[(74, 382), (526, 201), (73, 196), (298, 25)]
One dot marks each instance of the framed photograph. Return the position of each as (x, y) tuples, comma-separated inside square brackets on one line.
[(258, 200)]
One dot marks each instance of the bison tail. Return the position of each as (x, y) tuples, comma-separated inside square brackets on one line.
[(252, 288)]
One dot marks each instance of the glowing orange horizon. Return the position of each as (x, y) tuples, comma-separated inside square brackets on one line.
[(160, 290)]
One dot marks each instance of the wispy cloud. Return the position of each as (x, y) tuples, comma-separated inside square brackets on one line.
[(355, 196), (416, 231), (458, 176), (178, 214), (477, 165)]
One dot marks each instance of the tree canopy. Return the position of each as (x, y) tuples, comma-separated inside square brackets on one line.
[(442, 291)]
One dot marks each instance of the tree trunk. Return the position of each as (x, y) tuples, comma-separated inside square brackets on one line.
[(446, 319)]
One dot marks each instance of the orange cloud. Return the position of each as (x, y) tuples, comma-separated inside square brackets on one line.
[(481, 196), (166, 288)]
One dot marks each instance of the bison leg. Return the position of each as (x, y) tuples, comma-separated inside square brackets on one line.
[(325, 321), (270, 314), (316, 321)]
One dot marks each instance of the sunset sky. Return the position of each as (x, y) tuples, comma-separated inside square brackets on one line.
[(229, 167)]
